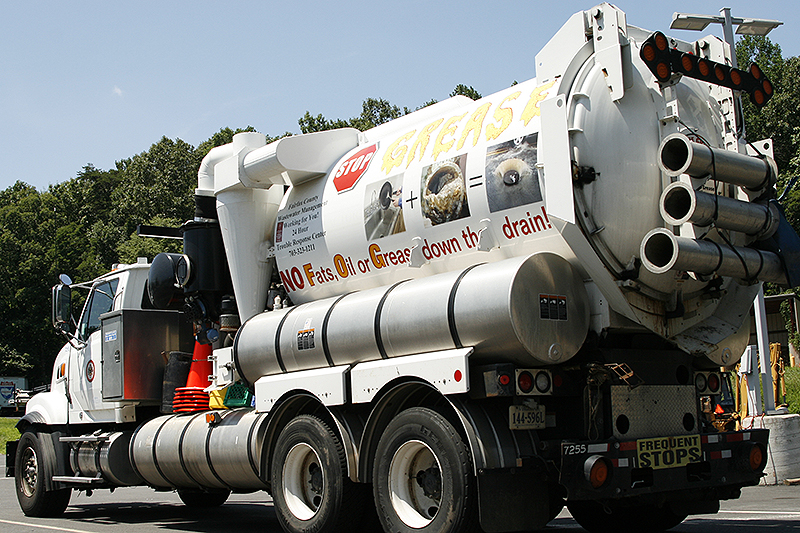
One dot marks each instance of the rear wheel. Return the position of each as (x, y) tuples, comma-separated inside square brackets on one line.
[(311, 490), (422, 479), (200, 498), (32, 463), (596, 518)]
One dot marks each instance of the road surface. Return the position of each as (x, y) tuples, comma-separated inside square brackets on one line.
[(142, 510)]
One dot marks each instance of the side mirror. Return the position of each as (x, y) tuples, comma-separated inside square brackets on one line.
[(62, 305)]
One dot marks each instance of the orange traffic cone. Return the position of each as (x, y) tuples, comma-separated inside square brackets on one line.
[(201, 367), (192, 398)]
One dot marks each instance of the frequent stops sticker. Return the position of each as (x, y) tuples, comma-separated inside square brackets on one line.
[(349, 172)]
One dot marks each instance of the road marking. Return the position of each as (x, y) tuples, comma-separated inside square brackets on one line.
[(27, 524), (781, 513)]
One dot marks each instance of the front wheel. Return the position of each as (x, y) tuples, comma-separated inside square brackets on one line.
[(31, 464), (597, 518), (311, 490), (422, 479)]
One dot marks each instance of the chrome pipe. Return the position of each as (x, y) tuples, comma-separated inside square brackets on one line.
[(662, 251), (679, 204), (678, 155)]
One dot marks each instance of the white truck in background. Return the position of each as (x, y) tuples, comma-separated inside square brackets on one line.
[(495, 309), (9, 385)]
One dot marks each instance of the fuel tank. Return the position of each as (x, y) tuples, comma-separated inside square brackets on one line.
[(187, 451)]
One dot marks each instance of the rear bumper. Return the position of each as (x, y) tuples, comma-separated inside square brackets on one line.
[(718, 469)]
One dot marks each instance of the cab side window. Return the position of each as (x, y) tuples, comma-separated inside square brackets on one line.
[(101, 300)]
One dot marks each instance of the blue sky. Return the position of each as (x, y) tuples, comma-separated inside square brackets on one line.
[(95, 82)]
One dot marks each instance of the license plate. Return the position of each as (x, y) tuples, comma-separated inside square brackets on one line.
[(668, 452), (524, 417)]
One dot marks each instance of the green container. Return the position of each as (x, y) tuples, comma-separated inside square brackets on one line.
[(238, 395)]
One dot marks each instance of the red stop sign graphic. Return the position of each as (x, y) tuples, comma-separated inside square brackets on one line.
[(349, 172)]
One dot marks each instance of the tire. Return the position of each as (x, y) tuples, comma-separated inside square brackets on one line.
[(596, 518), (311, 491), (32, 463), (201, 499), (422, 477)]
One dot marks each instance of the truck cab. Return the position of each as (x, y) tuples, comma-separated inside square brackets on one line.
[(86, 381)]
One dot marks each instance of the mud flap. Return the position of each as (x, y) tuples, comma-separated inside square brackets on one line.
[(512, 499), (11, 456), (56, 458)]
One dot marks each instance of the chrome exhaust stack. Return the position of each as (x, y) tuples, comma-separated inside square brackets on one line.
[(678, 155), (679, 204), (662, 251)]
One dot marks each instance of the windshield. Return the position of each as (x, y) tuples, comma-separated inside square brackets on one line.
[(101, 300)]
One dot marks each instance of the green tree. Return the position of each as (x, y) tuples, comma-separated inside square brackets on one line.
[(135, 246), (30, 225), (310, 124), (158, 182), (780, 118), (14, 363), (374, 112), (467, 91)]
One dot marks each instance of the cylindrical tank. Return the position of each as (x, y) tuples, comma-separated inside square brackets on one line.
[(565, 164), (186, 451), (526, 310), (105, 454)]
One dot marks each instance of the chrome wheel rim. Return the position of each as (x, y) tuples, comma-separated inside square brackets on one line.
[(415, 484), (29, 474), (303, 481)]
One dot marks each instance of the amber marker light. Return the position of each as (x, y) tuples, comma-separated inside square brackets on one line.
[(687, 62), (720, 73), (756, 457), (736, 77), (649, 52), (661, 41), (703, 67), (597, 471)]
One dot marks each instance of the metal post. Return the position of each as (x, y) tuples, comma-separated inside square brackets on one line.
[(748, 367), (763, 349), (727, 30)]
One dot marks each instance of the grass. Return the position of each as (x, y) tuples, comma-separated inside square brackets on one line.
[(792, 377), (7, 432)]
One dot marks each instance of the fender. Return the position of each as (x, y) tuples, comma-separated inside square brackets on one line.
[(347, 423), (48, 408)]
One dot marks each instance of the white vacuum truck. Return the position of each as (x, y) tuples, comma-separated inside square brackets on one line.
[(470, 316)]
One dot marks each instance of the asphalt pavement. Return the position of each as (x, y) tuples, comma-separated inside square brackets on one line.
[(143, 510)]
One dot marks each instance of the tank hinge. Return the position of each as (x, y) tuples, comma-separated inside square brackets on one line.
[(631, 269), (609, 31), (583, 175)]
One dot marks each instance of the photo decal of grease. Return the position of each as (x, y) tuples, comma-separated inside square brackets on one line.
[(444, 192)]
